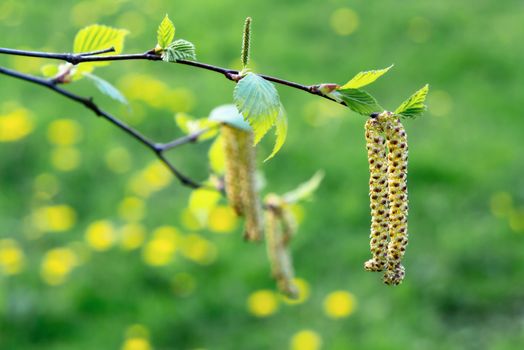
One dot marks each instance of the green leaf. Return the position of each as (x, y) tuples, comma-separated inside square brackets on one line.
[(179, 50), (165, 32), (217, 158), (304, 190), (228, 114), (106, 88), (364, 78), (358, 100), (414, 106), (257, 99), (280, 132), (98, 37), (190, 126)]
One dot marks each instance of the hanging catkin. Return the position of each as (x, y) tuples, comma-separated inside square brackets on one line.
[(240, 180), (231, 137), (279, 257), (398, 197), (378, 194)]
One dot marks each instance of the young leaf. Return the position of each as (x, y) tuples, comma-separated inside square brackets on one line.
[(179, 50), (257, 99), (364, 78), (189, 126), (280, 132), (414, 106), (228, 114), (358, 100), (98, 37), (106, 88), (304, 190), (165, 33)]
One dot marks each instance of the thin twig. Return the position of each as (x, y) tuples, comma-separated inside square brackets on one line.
[(88, 103), (230, 74)]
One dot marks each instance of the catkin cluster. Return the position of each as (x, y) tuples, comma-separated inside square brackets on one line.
[(240, 179), (280, 227), (388, 195)]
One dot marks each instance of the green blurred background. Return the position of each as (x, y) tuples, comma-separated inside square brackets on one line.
[(98, 250)]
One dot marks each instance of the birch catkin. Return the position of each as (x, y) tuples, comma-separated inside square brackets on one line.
[(398, 197), (378, 195), (240, 179), (279, 257), (231, 137)]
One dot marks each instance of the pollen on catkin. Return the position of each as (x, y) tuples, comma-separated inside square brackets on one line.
[(378, 195), (231, 137), (278, 254), (240, 180), (398, 197)]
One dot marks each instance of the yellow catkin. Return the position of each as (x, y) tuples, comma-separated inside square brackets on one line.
[(289, 224), (279, 257), (378, 195), (398, 197), (252, 206), (231, 138)]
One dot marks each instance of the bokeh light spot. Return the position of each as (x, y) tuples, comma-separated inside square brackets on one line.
[(15, 125), (55, 218), (262, 303), (65, 158), (64, 132), (306, 340), (344, 21), (339, 304), (12, 257), (222, 219), (100, 235)]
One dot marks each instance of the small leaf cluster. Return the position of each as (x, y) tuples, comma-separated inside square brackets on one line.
[(170, 50)]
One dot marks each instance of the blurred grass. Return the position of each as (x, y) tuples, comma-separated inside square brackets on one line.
[(464, 287)]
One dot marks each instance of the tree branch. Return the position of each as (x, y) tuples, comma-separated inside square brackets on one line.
[(158, 149), (230, 74)]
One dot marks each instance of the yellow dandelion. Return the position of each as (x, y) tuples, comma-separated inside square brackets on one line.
[(64, 132), (100, 235), (55, 218), (15, 125), (160, 250), (262, 303), (12, 257), (339, 304), (57, 265), (306, 340)]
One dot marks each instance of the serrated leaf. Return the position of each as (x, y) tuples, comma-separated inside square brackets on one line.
[(98, 37), (179, 50), (304, 190), (216, 155), (165, 32), (364, 78), (414, 106), (228, 114), (359, 101), (106, 88), (280, 132), (190, 126), (257, 99)]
